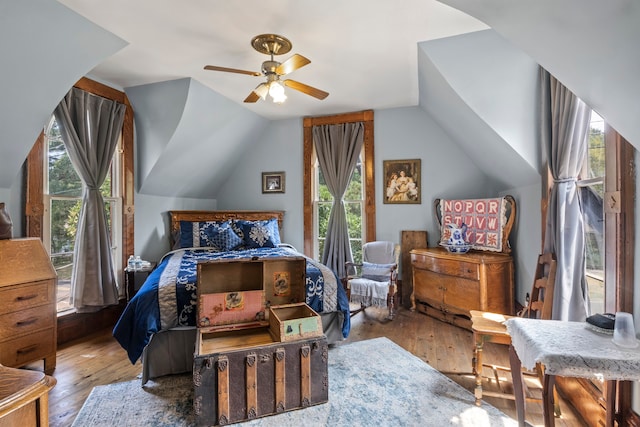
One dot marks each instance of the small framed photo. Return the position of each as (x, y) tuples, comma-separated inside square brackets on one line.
[(273, 182), (402, 181)]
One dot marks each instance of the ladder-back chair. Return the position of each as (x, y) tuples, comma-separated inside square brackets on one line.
[(489, 327)]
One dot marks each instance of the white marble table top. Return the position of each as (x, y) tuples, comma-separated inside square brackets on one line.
[(571, 349)]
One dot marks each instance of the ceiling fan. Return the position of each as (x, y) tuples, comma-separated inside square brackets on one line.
[(273, 44)]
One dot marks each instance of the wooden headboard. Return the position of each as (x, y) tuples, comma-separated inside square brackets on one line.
[(201, 216), (506, 228)]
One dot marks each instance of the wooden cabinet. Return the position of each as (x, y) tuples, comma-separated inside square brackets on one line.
[(27, 304), (447, 286)]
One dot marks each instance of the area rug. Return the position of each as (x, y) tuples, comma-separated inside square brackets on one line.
[(371, 383)]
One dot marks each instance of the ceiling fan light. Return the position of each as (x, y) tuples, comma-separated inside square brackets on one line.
[(276, 91)]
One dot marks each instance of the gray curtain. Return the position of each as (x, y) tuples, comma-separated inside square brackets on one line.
[(565, 126), (90, 126), (338, 148)]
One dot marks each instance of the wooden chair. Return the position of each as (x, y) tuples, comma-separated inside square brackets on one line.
[(489, 327), (373, 282)]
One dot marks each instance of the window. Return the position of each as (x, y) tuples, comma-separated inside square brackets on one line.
[(591, 187), (62, 200), (360, 199), (354, 207)]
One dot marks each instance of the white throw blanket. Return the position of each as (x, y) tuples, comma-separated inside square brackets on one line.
[(369, 292)]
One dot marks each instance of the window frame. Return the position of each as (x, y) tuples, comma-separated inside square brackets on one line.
[(369, 207)]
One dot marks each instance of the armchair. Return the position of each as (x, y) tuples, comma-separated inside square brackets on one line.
[(373, 282)]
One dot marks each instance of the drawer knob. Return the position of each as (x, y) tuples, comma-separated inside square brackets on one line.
[(26, 297)]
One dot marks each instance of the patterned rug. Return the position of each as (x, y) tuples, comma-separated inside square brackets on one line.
[(372, 382)]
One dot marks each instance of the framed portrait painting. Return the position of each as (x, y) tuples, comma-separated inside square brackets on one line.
[(402, 181), (273, 182)]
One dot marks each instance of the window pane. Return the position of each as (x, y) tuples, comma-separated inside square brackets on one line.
[(591, 198), (324, 210), (63, 179), (354, 219), (354, 190), (356, 249), (323, 192), (595, 152), (64, 224)]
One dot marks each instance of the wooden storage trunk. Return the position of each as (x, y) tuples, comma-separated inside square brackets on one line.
[(233, 292), (239, 371), (291, 322), (240, 375)]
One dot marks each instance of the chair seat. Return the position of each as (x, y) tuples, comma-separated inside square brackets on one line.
[(486, 323)]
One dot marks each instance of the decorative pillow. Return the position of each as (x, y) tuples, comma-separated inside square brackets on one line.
[(224, 238), (259, 234), (198, 234), (377, 272), (485, 220)]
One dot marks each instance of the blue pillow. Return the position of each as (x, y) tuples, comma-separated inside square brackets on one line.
[(259, 234), (224, 238), (195, 234)]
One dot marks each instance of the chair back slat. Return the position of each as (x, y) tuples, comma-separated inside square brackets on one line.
[(541, 298)]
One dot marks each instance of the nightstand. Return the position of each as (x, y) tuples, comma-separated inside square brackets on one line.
[(134, 278)]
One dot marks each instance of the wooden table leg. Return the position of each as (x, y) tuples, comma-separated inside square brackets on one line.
[(610, 400), (547, 400), (477, 369), (518, 389)]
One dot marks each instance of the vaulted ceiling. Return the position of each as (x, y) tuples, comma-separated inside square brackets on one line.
[(376, 55)]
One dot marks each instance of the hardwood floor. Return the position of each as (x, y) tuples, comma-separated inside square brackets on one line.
[(100, 360)]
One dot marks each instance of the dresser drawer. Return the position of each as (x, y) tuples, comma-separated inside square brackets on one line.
[(22, 350), (25, 321), (18, 298), (467, 270)]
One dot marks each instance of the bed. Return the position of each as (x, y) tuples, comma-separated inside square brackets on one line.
[(158, 324)]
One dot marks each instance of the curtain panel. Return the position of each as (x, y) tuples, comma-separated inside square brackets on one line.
[(90, 126), (338, 148), (564, 130)]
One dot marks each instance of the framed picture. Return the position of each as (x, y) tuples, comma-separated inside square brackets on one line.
[(273, 182), (402, 181)]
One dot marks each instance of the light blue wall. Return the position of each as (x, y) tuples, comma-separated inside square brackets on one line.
[(152, 222), (525, 237), (279, 148)]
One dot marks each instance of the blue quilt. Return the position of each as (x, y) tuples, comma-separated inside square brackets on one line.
[(168, 297)]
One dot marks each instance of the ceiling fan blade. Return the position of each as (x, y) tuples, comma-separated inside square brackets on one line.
[(231, 70), (309, 90), (253, 97), (259, 92), (292, 64)]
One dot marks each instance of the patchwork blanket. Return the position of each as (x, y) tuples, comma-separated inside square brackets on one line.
[(168, 297)]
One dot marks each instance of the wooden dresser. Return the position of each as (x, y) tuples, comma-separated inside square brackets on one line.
[(27, 304), (447, 286)]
